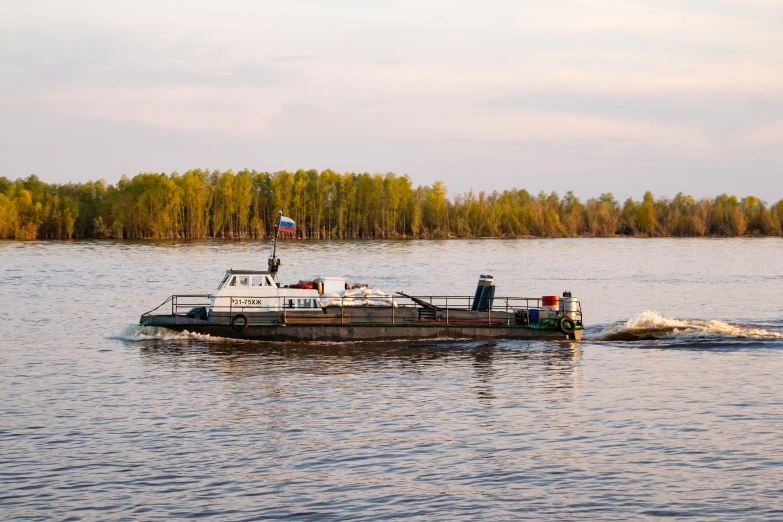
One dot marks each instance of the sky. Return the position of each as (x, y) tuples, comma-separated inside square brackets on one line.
[(592, 96)]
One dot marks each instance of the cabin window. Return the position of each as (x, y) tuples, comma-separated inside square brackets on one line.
[(269, 282), (223, 282), (244, 280), (259, 281), (233, 281)]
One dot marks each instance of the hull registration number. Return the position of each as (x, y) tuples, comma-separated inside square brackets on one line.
[(246, 302)]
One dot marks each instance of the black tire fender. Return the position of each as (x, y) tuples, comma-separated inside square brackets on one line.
[(242, 327), (566, 325)]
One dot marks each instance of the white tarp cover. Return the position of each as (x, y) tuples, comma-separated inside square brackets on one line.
[(358, 297)]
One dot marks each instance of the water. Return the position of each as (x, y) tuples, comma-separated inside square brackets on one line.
[(671, 408)]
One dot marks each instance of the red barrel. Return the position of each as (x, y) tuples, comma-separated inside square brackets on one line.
[(550, 300)]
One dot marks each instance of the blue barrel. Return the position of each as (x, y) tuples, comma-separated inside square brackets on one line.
[(534, 315)]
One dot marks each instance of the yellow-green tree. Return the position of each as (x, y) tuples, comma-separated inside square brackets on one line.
[(29, 215), (7, 217)]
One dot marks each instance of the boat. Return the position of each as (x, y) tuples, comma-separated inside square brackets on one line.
[(253, 304)]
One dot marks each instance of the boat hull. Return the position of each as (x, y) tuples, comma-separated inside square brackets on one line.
[(357, 332)]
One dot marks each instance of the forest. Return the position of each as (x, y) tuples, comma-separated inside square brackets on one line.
[(330, 205)]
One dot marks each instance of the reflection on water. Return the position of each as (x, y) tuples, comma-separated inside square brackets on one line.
[(556, 362), (674, 414)]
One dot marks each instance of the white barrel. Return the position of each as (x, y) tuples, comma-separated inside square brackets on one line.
[(569, 306)]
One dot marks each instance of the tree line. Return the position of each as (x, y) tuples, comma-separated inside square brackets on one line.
[(330, 205)]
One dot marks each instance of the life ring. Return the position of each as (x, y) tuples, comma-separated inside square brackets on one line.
[(566, 325), (243, 326)]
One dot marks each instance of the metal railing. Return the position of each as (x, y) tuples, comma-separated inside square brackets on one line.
[(430, 309)]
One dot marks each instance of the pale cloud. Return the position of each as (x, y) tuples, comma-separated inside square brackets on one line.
[(235, 112), (660, 20), (770, 134), (564, 127)]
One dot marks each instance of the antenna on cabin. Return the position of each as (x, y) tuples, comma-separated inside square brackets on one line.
[(274, 262)]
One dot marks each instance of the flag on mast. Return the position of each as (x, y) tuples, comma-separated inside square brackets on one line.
[(286, 224)]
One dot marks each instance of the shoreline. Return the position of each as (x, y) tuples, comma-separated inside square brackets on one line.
[(397, 239)]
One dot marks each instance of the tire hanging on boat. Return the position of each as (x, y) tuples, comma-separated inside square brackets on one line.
[(566, 325), (241, 327)]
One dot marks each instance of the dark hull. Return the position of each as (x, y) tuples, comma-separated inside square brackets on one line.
[(358, 332)]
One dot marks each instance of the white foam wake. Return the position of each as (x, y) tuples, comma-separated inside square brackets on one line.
[(652, 325), (136, 332)]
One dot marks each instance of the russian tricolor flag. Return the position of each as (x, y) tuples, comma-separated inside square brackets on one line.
[(286, 224)]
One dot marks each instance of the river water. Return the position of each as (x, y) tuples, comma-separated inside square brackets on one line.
[(672, 407)]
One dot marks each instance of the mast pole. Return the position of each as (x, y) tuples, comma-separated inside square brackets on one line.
[(277, 231), (274, 263)]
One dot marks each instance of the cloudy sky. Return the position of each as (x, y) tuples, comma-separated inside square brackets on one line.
[(589, 95)]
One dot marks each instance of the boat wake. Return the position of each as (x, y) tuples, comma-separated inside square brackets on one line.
[(653, 326), (135, 332)]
